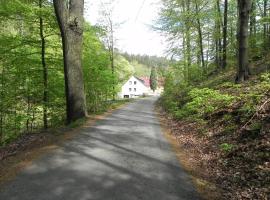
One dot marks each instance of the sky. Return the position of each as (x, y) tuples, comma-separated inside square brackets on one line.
[(134, 35)]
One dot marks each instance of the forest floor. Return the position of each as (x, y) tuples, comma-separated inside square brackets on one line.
[(186, 147), (20, 153), (227, 155)]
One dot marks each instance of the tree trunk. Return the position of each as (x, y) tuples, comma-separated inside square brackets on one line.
[(45, 71), (70, 20), (225, 28), (253, 19), (244, 7), (264, 15), (185, 57), (265, 27), (218, 34), (111, 51), (188, 40), (200, 37), (2, 105), (208, 50)]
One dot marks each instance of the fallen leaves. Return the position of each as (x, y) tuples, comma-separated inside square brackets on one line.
[(243, 172)]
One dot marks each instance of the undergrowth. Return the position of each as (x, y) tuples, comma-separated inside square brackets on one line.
[(235, 120)]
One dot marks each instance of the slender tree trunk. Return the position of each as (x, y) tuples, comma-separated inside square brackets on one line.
[(2, 106), (253, 19), (208, 50), (185, 58), (200, 37), (265, 27), (265, 2), (218, 35), (188, 40), (217, 59), (111, 49), (225, 31), (45, 71), (70, 20), (28, 111), (113, 70), (244, 7)]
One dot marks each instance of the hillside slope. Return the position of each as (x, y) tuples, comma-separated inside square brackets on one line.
[(223, 130)]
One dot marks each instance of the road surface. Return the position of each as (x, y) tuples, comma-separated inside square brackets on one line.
[(123, 157)]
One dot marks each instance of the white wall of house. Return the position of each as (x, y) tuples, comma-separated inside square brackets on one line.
[(133, 88)]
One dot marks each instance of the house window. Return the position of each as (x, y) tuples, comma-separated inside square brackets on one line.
[(130, 82), (130, 89), (135, 89), (135, 82)]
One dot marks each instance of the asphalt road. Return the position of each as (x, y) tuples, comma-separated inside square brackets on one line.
[(123, 157)]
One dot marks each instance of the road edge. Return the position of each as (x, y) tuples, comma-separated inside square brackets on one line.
[(205, 189)]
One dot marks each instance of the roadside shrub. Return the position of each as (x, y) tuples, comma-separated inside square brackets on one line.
[(204, 102)]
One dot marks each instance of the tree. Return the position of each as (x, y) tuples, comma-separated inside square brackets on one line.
[(31, 82), (225, 30), (45, 69), (200, 37), (153, 79), (218, 24), (108, 24), (244, 8), (70, 19)]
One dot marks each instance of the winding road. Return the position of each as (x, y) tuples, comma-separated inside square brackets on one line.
[(122, 157)]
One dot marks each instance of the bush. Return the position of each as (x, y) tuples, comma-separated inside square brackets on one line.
[(204, 102)]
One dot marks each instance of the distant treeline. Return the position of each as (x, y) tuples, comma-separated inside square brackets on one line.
[(147, 60)]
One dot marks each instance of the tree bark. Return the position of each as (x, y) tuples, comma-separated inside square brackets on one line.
[(2, 105), (265, 27), (244, 7), (111, 51), (225, 29), (200, 37), (218, 35), (70, 20), (45, 70), (265, 2), (186, 8), (253, 19)]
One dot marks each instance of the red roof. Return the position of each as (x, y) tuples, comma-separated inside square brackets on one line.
[(146, 81)]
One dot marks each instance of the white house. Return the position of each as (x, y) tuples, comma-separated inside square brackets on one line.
[(134, 87)]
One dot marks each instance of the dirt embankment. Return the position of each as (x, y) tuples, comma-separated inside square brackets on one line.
[(243, 172)]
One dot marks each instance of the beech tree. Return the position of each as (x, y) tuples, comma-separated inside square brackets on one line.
[(109, 27), (206, 37), (70, 19), (45, 68), (225, 29), (32, 72), (244, 8)]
